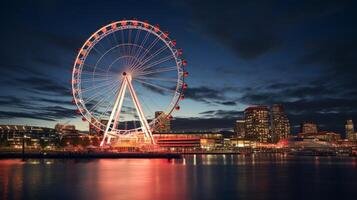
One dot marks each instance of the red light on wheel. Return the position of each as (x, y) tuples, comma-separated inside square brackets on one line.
[(83, 52), (177, 107), (185, 86), (135, 23), (185, 74), (169, 117), (78, 111), (96, 36), (84, 119), (173, 43), (146, 24), (73, 101), (89, 43), (165, 34), (75, 71), (182, 97), (114, 26), (179, 52), (156, 28), (79, 61), (123, 23), (184, 62)]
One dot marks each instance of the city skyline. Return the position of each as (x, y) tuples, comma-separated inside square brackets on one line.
[(304, 62)]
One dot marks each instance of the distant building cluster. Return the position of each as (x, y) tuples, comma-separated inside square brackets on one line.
[(14, 136), (263, 124), (35, 138), (270, 125), (260, 127)]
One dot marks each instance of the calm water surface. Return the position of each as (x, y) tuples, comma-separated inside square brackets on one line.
[(194, 177)]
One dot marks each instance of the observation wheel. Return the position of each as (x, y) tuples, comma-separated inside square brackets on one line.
[(123, 74)]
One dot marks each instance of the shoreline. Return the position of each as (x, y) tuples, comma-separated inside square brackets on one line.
[(91, 155), (140, 155)]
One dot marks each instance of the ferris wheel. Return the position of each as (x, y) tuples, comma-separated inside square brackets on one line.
[(125, 72)]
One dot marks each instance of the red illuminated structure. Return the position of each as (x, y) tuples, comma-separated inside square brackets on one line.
[(133, 56)]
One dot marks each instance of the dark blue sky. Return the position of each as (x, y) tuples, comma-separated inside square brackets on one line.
[(298, 53)]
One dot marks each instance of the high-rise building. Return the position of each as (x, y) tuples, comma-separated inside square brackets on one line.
[(257, 123), (164, 123), (350, 132), (280, 126), (309, 127), (239, 128)]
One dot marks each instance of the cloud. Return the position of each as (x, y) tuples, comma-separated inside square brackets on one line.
[(210, 95), (210, 120), (15, 115), (228, 103), (222, 114), (43, 85), (202, 124), (337, 58), (11, 100), (57, 112), (47, 113), (41, 108), (66, 102), (254, 28)]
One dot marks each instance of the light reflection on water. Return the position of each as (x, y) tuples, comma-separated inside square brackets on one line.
[(273, 176)]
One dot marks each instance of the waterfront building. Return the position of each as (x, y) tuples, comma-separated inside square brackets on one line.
[(239, 128), (350, 132), (257, 123), (242, 143), (326, 136), (164, 122), (12, 136), (309, 127), (189, 140), (280, 126)]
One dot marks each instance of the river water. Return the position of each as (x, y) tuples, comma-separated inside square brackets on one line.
[(194, 177)]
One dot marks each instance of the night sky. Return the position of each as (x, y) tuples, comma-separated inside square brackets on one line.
[(301, 54)]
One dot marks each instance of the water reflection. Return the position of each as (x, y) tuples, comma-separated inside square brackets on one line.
[(274, 176)]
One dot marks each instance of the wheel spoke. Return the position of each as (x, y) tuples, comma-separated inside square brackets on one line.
[(157, 79), (160, 70), (105, 83), (86, 80), (140, 65), (154, 85), (103, 98), (134, 49), (140, 58), (90, 98), (162, 60)]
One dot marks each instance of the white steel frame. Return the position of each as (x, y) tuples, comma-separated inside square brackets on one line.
[(126, 83), (141, 75)]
